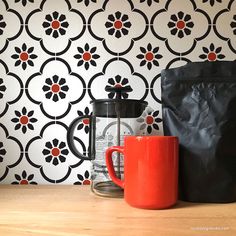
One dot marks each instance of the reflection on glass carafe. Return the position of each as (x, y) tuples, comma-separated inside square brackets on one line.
[(111, 120)]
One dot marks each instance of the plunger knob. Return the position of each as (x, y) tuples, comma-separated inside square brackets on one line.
[(119, 90)]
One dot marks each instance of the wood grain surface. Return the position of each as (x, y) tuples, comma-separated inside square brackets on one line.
[(75, 210)]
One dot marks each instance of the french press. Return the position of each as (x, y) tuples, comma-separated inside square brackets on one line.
[(110, 121)]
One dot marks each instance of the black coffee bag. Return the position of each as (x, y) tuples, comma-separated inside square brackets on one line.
[(199, 106)]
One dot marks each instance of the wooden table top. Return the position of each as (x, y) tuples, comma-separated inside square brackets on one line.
[(74, 210)]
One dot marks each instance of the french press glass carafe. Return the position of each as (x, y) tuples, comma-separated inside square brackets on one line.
[(111, 120)]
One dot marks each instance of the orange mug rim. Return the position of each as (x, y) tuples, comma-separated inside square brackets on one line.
[(150, 137)]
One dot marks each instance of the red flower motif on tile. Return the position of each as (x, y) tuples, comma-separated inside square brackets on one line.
[(24, 56), (2, 24), (180, 24), (118, 27), (53, 161), (149, 121), (149, 56), (212, 53), (86, 56), (83, 180), (24, 179), (118, 81), (2, 151), (24, 120), (85, 121), (118, 24), (55, 152), (55, 88), (55, 24), (2, 88), (186, 25)]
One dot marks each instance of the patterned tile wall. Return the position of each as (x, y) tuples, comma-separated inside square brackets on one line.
[(57, 55)]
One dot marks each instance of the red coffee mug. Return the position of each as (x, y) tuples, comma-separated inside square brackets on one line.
[(150, 170)]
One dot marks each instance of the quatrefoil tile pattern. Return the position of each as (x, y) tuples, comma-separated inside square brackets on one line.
[(57, 56)]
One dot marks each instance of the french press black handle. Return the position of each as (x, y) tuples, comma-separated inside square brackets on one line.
[(70, 137)]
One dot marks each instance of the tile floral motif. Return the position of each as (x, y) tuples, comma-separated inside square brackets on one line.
[(55, 24), (55, 93), (180, 31), (212, 53), (55, 151), (180, 24), (55, 88), (24, 179), (118, 24), (24, 120), (24, 56), (119, 82), (149, 121), (123, 71), (85, 121), (86, 56), (83, 179), (149, 56), (54, 160), (55, 29), (119, 29)]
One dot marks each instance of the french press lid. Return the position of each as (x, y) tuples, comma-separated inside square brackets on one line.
[(126, 108)]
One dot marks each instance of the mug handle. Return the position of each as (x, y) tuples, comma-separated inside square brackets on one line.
[(70, 137), (110, 166)]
